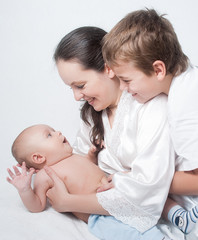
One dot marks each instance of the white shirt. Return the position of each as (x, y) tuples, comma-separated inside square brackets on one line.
[(183, 121), (183, 118), (139, 143)]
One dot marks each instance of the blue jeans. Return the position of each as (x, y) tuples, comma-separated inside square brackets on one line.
[(109, 228)]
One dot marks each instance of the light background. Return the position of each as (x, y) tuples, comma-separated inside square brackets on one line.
[(31, 91)]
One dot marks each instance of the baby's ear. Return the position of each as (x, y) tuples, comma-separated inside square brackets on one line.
[(109, 71), (38, 158)]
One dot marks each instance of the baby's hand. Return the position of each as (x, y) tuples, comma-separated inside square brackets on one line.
[(92, 154), (21, 180)]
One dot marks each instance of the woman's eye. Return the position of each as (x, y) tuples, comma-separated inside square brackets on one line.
[(49, 135), (80, 86)]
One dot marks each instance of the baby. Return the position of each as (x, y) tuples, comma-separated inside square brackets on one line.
[(39, 146)]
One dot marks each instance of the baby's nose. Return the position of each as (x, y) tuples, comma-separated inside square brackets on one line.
[(58, 133)]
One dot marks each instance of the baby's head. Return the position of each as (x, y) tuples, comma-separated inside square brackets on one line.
[(40, 145)]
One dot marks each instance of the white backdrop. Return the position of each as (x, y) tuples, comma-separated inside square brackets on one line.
[(30, 89)]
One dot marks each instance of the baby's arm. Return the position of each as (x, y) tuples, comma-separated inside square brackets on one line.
[(185, 183), (34, 201)]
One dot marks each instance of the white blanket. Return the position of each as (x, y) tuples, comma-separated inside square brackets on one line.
[(19, 224)]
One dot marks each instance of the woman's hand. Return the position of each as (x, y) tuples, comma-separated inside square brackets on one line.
[(58, 194), (62, 201), (106, 186)]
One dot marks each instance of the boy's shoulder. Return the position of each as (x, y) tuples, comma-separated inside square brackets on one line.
[(185, 81), (183, 97)]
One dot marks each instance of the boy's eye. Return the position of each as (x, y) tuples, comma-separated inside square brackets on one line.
[(126, 81)]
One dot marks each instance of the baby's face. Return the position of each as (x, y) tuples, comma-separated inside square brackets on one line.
[(50, 143)]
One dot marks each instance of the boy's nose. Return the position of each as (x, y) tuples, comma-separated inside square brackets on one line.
[(123, 86)]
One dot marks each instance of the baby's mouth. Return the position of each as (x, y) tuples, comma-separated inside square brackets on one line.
[(64, 140)]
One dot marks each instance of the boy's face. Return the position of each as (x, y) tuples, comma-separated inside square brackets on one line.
[(141, 86), (49, 143)]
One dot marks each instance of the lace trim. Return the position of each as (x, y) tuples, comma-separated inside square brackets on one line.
[(118, 125), (126, 212)]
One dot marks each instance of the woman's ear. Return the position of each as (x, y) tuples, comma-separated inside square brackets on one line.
[(159, 69), (109, 71), (38, 158)]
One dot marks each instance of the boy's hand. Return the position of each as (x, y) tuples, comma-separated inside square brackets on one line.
[(21, 180)]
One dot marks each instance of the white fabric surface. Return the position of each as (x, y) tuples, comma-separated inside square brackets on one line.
[(139, 142), (19, 224)]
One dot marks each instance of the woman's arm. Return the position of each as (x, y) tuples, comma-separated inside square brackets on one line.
[(185, 183), (62, 201)]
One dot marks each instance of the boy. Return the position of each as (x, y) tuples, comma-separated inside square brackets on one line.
[(39, 146), (144, 53)]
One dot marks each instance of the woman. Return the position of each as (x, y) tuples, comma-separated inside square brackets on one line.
[(137, 148)]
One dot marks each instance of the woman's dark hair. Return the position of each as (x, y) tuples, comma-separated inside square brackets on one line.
[(84, 45)]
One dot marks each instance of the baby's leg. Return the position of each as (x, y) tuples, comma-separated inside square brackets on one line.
[(184, 220), (82, 216)]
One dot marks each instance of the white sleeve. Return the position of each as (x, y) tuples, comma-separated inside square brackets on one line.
[(139, 196), (82, 143), (183, 117)]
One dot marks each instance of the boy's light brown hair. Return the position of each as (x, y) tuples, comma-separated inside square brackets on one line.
[(142, 37)]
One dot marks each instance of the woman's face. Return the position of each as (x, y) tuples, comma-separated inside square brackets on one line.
[(96, 88)]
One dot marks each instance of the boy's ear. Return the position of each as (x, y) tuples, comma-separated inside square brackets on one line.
[(159, 69), (38, 158), (109, 71)]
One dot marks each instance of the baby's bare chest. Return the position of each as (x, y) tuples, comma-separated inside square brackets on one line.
[(79, 175)]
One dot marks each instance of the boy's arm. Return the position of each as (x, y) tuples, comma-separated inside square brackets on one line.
[(34, 201), (185, 183)]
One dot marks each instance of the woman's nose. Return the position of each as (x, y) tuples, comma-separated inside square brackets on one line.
[(78, 95)]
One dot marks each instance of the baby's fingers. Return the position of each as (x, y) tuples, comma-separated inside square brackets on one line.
[(24, 169), (31, 172), (10, 173), (16, 170), (9, 180)]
